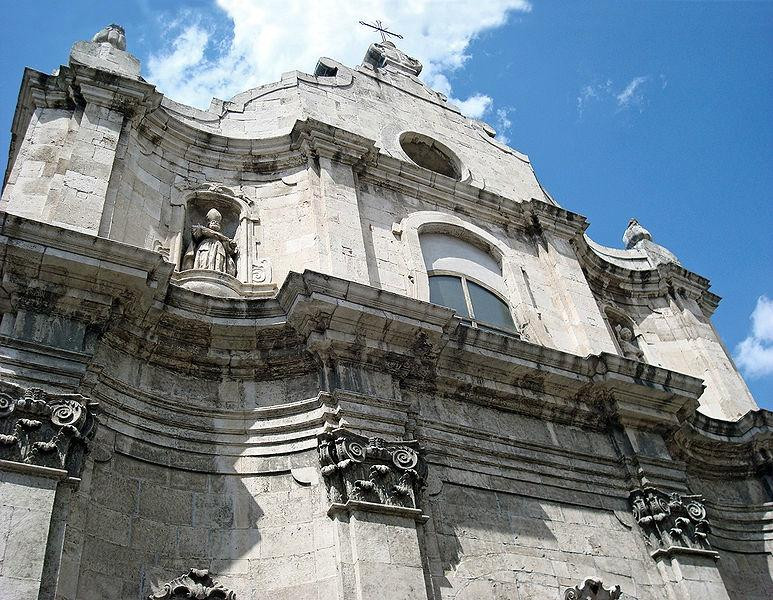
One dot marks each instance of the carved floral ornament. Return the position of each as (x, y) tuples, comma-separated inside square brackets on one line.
[(49, 430), (371, 470), (196, 584), (592, 589), (671, 522)]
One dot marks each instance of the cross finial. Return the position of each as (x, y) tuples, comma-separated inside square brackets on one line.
[(381, 29)]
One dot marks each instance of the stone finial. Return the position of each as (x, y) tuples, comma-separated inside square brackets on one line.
[(385, 55), (106, 52), (635, 233), (637, 237), (112, 34), (592, 589), (44, 429), (196, 583)]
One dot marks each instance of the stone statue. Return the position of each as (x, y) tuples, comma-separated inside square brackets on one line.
[(627, 344), (112, 34), (209, 248)]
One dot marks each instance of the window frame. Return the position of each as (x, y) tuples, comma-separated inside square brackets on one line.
[(472, 320)]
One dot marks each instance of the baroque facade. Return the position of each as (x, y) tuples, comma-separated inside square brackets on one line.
[(331, 339)]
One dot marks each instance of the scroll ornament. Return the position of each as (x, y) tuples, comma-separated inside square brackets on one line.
[(45, 429), (196, 584), (592, 589), (671, 520), (371, 469)]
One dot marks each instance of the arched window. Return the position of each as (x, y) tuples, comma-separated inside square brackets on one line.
[(466, 278)]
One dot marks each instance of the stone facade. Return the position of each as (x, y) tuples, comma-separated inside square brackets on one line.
[(228, 369)]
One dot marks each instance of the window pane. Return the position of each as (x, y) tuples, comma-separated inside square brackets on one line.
[(447, 291), (488, 308)]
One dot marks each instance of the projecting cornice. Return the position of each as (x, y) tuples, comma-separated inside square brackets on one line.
[(129, 291), (714, 447)]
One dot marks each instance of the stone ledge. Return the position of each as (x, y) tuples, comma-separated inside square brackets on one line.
[(672, 551), (48, 472), (352, 506)]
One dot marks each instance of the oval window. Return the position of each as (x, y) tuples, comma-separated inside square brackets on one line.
[(431, 154)]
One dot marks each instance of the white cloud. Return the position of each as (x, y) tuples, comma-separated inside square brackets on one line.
[(632, 94), (503, 124), (265, 41), (754, 355)]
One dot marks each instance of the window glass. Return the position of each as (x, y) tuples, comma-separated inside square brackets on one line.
[(488, 308), (447, 291)]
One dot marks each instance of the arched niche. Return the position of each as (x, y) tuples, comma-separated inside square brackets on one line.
[(240, 223)]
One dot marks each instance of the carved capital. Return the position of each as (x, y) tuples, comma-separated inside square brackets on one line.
[(44, 429), (196, 584), (671, 523), (592, 589), (371, 470)]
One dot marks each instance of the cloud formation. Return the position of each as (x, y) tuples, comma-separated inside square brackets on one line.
[(201, 62), (633, 94), (754, 355)]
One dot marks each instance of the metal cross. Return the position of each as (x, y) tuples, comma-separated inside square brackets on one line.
[(383, 30)]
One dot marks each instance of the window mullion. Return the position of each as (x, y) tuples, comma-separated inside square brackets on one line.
[(467, 299)]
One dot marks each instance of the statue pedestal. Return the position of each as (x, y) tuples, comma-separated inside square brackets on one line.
[(221, 285), (212, 283)]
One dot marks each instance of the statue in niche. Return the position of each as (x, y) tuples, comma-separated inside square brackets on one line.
[(209, 248), (627, 343)]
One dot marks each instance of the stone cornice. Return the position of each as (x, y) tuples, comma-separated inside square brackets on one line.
[(714, 447), (611, 281), (421, 343)]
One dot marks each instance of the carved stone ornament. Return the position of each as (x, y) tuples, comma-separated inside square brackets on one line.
[(362, 469), (671, 522), (196, 584), (627, 343), (592, 589), (261, 271), (209, 248), (112, 34), (48, 430), (385, 55)]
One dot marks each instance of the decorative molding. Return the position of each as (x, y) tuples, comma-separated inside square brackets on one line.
[(592, 589), (361, 470), (672, 523), (195, 584), (44, 429)]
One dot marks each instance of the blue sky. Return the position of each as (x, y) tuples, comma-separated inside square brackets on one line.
[(660, 111)]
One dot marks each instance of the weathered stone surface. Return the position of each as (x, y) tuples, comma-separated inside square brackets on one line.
[(296, 414)]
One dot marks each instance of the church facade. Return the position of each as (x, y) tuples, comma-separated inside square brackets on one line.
[(331, 339)]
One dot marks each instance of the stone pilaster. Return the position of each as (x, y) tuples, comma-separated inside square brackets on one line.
[(43, 438), (676, 529), (373, 487)]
